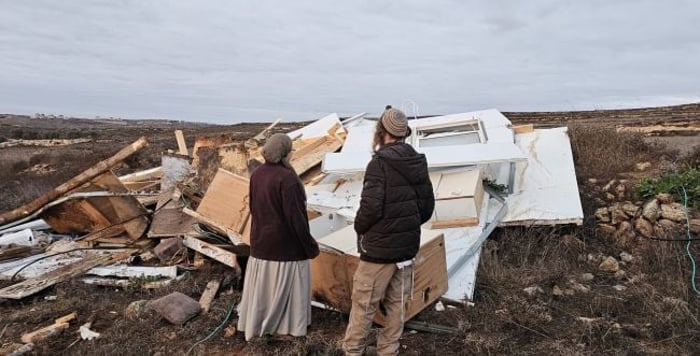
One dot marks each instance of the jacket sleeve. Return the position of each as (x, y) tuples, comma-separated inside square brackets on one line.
[(372, 200), (426, 198), (294, 205)]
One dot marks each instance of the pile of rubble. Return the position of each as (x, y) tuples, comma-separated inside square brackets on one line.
[(659, 217)]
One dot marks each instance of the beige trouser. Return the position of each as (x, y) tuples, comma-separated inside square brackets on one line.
[(373, 283)]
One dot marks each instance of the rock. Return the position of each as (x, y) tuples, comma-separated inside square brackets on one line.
[(439, 307), (176, 307), (599, 202), (651, 210), (587, 277), (531, 291), (620, 274), (626, 257), (580, 288), (619, 288), (644, 227), (606, 229), (592, 180), (609, 186), (594, 257), (609, 265), (621, 189), (602, 214), (617, 215), (136, 310), (630, 209), (695, 226), (610, 197), (625, 231), (664, 198), (557, 291), (643, 166), (230, 331), (673, 211), (167, 249), (569, 291)]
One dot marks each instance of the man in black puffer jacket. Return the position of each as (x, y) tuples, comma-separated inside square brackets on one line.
[(397, 198)]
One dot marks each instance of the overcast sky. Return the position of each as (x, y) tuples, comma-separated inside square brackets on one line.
[(230, 61)]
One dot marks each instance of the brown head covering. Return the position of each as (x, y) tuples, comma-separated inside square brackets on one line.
[(276, 148)]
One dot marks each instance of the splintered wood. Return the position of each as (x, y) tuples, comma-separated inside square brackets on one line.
[(37, 284), (98, 213)]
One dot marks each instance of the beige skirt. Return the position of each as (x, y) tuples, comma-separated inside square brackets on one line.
[(276, 298)]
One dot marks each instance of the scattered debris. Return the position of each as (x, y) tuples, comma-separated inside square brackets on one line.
[(439, 307), (626, 257), (57, 327), (531, 291), (209, 294), (587, 277)]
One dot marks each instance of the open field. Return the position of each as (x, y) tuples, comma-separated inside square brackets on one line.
[(650, 309)]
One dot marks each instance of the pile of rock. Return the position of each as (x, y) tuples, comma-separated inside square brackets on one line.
[(659, 217)]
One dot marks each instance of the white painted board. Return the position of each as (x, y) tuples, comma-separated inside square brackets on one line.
[(546, 190), (444, 156), (318, 128)]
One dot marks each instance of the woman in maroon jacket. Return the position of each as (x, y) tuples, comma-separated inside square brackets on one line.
[(277, 285)]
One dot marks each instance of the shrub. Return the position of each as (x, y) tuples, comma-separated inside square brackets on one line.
[(674, 184)]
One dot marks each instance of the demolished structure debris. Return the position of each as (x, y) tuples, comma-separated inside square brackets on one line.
[(485, 173)]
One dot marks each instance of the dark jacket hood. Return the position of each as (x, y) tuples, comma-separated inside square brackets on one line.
[(403, 158)]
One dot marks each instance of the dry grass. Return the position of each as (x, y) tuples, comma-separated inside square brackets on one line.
[(602, 152)]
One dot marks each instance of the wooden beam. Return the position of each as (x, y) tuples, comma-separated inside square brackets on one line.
[(35, 285), (209, 250), (57, 327), (14, 252), (209, 294), (80, 179), (181, 144), (263, 134), (446, 224), (520, 129), (140, 176)]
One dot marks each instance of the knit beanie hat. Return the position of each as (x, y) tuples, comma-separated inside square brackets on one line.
[(395, 122), (276, 148)]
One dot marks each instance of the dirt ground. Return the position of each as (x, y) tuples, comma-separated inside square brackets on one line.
[(656, 313)]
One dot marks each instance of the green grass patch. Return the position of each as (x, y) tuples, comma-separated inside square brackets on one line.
[(674, 184)]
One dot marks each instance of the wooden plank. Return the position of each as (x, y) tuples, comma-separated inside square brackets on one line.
[(447, 224), (209, 293), (75, 216), (226, 201), (181, 144), (141, 186), (57, 327), (35, 285), (212, 251), (124, 283), (264, 133), (140, 176), (169, 222), (80, 179), (520, 129), (15, 252)]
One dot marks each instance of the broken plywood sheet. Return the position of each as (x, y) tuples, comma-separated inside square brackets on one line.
[(311, 154), (37, 284), (546, 190), (124, 271), (332, 271), (225, 205), (442, 156)]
